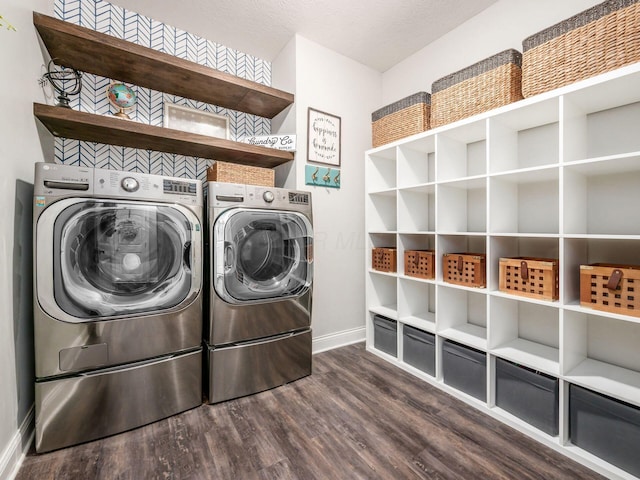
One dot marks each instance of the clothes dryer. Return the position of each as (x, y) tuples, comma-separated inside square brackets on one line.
[(117, 301), (260, 289)]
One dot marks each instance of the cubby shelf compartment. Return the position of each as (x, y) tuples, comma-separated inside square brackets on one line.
[(590, 360), (462, 206), (381, 211), (64, 122), (525, 138), (94, 52), (461, 151), (526, 202), (416, 163), (416, 304), (462, 316), (380, 171), (526, 333), (592, 118), (417, 209), (601, 196), (382, 294)]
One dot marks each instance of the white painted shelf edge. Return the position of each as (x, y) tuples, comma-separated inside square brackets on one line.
[(467, 334), (607, 379), (530, 354)]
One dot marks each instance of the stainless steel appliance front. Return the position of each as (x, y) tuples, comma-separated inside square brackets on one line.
[(260, 288), (118, 282)]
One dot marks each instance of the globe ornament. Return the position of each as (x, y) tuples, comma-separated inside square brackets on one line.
[(65, 81), (122, 97)]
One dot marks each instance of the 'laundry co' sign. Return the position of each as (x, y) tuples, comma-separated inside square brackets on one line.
[(281, 142)]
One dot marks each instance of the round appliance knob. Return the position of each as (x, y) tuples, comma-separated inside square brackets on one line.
[(130, 184), (268, 196)]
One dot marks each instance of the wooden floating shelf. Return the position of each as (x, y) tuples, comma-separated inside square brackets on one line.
[(68, 123), (94, 52)]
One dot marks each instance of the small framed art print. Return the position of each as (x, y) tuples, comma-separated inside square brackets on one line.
[(323, 138)]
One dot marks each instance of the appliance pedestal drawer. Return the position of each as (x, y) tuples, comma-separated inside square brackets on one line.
[(97, 404), (251, 367)]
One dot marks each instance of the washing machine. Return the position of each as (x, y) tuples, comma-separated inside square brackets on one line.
[(117, 301), (260, 244)]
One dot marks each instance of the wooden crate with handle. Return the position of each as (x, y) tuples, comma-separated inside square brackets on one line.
[(611, 288), (467, 269), (530, 277)]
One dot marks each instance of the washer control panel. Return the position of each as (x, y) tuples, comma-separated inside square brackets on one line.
[(56, 180)]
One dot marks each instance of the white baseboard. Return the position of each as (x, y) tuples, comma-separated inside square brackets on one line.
[(338, 339), (13, 455)]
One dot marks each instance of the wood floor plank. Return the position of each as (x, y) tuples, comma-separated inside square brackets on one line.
[(356, 417)]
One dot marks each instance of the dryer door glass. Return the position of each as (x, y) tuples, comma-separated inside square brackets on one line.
[(262, 255), (117, 258)]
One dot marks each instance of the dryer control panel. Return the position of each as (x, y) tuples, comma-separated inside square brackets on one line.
[(232, 194)]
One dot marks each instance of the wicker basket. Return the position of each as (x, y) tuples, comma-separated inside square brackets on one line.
[(419, 263), (234, 173), (611, 288), (530, 277), (384, 259), (468, 269), (401, 119), (491, 83), (600, 39)]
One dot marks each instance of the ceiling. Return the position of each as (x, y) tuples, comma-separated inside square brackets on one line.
[(377, 33)]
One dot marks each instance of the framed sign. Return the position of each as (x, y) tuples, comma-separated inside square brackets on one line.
[(323, 137)]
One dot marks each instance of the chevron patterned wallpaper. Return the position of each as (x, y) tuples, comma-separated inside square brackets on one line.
[(113, 20)]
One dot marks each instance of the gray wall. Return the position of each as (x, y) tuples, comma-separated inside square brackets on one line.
[(20, 148)]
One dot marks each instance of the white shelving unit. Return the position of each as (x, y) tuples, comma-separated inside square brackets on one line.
[(555, 176)]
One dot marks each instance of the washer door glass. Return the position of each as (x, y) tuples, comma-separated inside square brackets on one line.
[(116, 258), (262, 255)]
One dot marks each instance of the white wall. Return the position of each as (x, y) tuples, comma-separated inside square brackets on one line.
[(333, 83), (20, 148), (501, 26)]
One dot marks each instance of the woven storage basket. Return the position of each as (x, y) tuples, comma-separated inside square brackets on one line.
[(234, 173), (401, 119), (611, 288), (419, 263), (529, 277), (468, 269), (600, 39), (384, 259), (488, 84)]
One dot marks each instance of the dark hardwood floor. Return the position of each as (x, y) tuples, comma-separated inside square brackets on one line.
[(356, 417)]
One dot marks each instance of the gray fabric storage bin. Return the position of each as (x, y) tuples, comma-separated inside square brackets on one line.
[(385, 335), (419, 349), (465, 368), (608, 428), (529, 395)]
